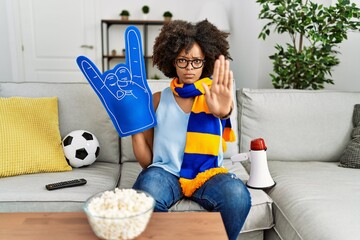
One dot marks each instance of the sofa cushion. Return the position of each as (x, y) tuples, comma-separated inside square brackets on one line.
[(79, 108), (27, 193), (260, 216), (30, 140), (315, 200), (351, 155), (297, 125)]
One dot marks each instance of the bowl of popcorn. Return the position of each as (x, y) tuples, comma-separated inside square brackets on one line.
[(119, 214)]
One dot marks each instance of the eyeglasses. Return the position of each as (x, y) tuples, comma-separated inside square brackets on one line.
[(195, 63)]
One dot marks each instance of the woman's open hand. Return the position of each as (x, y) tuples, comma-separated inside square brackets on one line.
[(219, 97)]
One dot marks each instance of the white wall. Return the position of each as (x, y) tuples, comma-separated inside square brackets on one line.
[(246, 47), (347, 74), (251, 65), (5, 62)]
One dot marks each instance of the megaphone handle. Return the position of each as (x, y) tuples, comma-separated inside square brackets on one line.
[(240, 157)]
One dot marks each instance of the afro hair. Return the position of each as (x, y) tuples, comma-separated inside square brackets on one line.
[(178, 35)]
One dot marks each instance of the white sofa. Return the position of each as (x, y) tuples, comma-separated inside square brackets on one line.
[(80, 108), (306, 132)]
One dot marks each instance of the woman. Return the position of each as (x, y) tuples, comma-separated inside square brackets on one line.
[(182, 156)]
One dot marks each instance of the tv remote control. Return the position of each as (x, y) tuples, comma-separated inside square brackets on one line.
[(64, 184)]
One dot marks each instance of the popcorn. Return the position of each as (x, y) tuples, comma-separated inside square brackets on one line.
[(119, 214)]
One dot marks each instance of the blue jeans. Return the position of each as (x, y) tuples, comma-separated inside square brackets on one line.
[(223, 193)]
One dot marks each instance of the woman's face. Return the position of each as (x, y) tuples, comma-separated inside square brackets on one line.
[(189, 65)]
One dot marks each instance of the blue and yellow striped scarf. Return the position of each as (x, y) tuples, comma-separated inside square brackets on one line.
[(200, 161)]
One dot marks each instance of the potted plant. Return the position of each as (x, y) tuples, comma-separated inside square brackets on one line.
[(145, 9), (124, 15), (167, 16), (315, 32)]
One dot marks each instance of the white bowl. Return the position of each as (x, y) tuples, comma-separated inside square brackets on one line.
[(119, 214)]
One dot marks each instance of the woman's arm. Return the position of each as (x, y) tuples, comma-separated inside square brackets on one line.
[(143, 142), (142, 147)]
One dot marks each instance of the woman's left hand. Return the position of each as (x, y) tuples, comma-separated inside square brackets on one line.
[(219, 97)]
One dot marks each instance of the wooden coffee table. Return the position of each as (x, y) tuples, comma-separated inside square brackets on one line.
[(74, 225)]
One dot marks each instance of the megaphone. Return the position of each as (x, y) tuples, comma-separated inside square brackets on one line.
[(260, 177)]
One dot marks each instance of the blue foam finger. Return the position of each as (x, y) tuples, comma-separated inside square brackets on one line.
[(134, 55), (90, 71), (123, 90)]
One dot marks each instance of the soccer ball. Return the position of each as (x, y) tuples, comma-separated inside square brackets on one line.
[(81, 148)]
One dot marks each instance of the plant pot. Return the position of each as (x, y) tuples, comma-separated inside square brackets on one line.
[(167, 19), (124, 18)]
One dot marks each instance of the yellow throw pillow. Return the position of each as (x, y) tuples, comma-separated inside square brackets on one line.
[(30, 140)]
